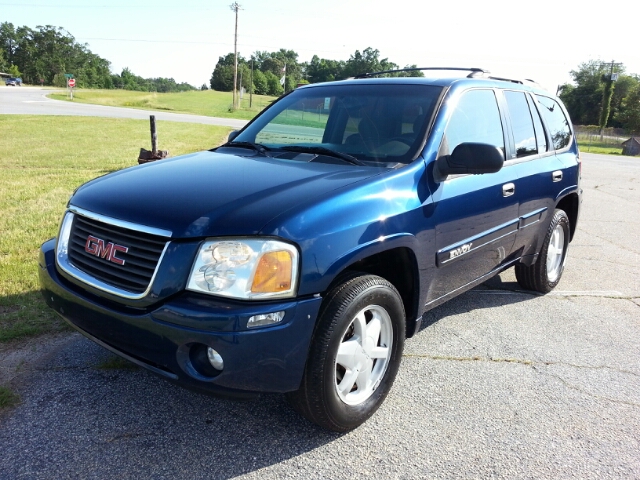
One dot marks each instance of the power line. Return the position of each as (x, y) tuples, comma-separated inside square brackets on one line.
[(151, 41), (123, 6)]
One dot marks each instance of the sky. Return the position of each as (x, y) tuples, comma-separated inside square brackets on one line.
[(183, 39)]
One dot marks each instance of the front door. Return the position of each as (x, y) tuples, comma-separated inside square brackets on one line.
[(476, 216)]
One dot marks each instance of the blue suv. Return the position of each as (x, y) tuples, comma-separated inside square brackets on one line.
[(299, 256)]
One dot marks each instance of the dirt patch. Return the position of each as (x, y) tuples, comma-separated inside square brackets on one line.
[(10, 309), (17, 357)]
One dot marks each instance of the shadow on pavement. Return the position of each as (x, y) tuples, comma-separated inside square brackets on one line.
[(492, 293)]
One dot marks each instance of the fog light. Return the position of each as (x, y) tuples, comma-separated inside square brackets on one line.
[(215, 359), (265, 319)]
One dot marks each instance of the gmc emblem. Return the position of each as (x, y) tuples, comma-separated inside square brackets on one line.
[(97, 247)]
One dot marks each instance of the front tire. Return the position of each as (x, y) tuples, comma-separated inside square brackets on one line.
[(545, 274), (355, 354)]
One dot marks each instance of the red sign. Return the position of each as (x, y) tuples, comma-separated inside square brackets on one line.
[(72, 82)]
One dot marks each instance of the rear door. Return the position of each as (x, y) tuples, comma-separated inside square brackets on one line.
[(539, 170)]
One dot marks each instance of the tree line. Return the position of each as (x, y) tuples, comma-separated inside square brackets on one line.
[(273, 73), (594, 92), (45, 54)]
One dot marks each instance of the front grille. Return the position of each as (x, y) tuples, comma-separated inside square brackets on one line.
[(140, 260)]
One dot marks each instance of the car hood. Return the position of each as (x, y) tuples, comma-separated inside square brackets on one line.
[(211, 194)]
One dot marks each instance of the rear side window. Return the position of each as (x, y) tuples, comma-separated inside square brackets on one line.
[(476, 119), (524, 134), (556, 121), (541, 139)]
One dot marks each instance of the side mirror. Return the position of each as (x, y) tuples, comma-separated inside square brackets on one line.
[(233, 135), (474, 158)]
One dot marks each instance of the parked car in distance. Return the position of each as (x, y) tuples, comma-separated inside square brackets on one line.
[(299, 256), (13, 82)]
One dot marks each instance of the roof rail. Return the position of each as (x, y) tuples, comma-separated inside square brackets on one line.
[(502, 79), (474, 71)]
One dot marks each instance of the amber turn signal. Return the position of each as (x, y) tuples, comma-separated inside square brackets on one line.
[(273, 273)]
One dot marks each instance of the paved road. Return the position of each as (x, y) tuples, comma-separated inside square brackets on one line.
[(500, 383), (33, 101)]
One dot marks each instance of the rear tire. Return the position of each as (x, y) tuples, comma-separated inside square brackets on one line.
[(355, 354), (545, 274)]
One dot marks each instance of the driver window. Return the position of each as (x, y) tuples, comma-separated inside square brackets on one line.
[(476, 119)]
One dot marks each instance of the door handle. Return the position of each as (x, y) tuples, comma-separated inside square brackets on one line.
[(557, 175), (508, 189)]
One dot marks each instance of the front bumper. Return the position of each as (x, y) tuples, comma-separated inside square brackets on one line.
[(166, 338)]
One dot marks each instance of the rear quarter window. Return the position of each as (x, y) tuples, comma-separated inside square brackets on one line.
[(524, 134), (556, 122)]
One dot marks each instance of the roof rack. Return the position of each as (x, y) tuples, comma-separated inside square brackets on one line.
[(502, 79), (474, 73)]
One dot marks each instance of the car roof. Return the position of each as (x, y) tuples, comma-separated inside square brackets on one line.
[(433, 78)]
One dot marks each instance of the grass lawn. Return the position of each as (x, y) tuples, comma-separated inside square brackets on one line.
[(42, 160), (602, 150), (592, 144), (200, 102)]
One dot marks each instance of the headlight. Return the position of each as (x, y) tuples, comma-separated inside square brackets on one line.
[(245, 268)]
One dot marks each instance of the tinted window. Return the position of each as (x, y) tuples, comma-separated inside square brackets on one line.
[(524, 135), (556, 121), (541, 139), (476, 119)]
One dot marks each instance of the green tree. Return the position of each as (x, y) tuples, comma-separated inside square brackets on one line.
[(629, 113), (276, 62), (259, 83), (4, 65), (367, 62), (592, 88), (14, 72), (414, 73), (324, 70), (623, 88), (584, 99), (222, 76), (265, 63), (273, 84), (8, 41), (46, 53), (606, 102)]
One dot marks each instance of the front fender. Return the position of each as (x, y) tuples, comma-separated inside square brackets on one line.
[(374, 247)]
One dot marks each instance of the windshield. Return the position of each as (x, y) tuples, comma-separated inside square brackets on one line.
[(373, 124)]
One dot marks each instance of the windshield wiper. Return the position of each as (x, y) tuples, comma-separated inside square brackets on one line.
[(324, 151), (254, 146)]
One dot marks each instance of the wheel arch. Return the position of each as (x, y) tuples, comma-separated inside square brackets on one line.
[(571, 205), (399, 266)]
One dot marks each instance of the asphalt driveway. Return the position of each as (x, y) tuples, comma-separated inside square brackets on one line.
[(499, 383)]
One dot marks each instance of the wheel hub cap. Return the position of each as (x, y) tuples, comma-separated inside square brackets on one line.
[(363, 355), (555, 254)]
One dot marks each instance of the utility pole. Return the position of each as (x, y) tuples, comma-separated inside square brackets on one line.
[(606, 99), (251, 85), (235, 6)]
